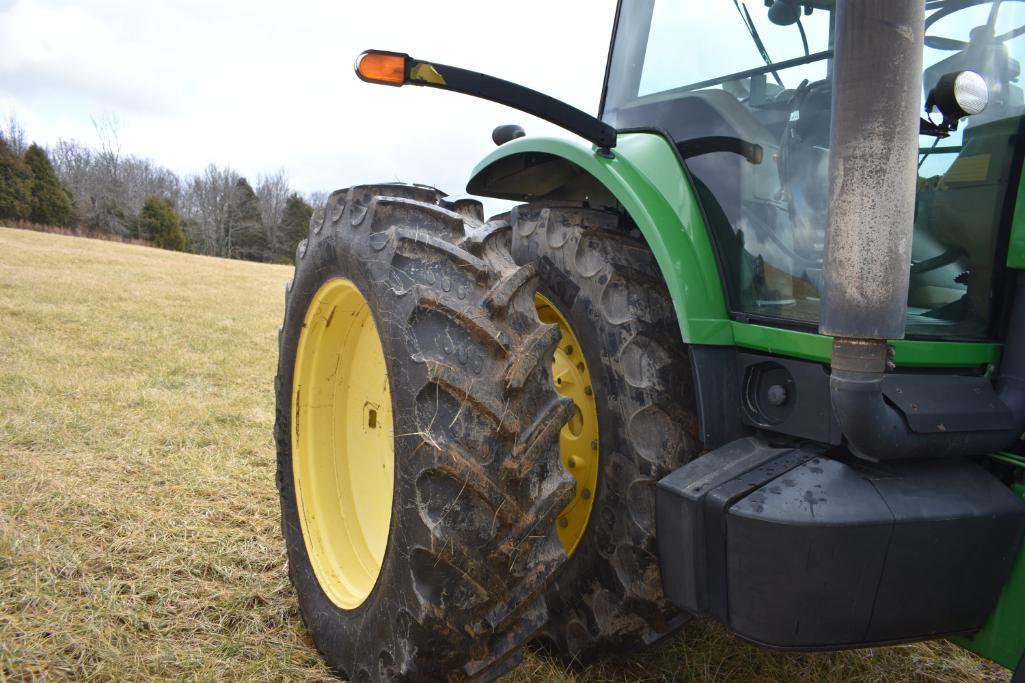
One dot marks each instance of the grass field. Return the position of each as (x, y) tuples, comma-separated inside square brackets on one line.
[(138, 517)]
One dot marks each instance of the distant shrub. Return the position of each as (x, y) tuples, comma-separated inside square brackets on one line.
[(244, 229), (51, 201), (161, 225), (15, 185), (295, 225)]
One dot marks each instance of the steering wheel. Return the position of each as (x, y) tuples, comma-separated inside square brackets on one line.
[(950, 44)]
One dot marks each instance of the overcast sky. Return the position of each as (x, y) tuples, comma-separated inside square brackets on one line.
[(261, 85)]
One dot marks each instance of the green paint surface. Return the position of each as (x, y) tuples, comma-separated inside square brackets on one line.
[(1016, 246), (907, 352)]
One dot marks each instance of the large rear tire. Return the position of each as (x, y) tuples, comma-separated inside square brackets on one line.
[(417, 428), (609, 290)]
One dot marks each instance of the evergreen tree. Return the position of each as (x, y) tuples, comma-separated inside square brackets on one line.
[(294, 226), (15, 185), (51, 202), (160, 223), (244, 232)]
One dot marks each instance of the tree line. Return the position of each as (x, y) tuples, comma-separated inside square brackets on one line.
[(100, 188)]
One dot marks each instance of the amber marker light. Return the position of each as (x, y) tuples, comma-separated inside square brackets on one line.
[(378, 66)]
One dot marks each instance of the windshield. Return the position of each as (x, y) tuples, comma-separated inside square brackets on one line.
[(761, 73), (669, 62)]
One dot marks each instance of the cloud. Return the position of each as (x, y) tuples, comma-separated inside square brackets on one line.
[(261, 85), (59, 49)]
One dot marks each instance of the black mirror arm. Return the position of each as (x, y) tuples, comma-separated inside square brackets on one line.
[(486, 87)]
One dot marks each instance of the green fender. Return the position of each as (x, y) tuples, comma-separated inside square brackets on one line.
[(644, 175)]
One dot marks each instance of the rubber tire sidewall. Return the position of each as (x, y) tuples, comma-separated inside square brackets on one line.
[(332, 627), (608, 597), (588, 560)]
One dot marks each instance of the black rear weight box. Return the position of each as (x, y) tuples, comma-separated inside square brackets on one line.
[(795, 550)]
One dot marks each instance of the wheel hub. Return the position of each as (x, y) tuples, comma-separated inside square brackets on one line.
[(578, 440)]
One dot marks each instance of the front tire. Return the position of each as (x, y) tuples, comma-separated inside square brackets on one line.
[(420, 486)]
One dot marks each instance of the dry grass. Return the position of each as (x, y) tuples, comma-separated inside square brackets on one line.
[(138, 518), (78, 231)]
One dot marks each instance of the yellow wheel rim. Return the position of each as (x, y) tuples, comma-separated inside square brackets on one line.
[(578, 440), (343, 452)]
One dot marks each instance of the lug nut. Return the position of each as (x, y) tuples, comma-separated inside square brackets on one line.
[(588, 391), (563, 522), (594, 444), (586, 494)]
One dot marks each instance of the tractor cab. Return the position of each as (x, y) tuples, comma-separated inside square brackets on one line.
[(724, 78)]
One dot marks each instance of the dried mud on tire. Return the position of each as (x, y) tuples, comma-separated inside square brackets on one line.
[(609, 598), (478, 482)]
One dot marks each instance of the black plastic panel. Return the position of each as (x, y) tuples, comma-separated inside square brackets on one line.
[(947, 403), (792, 582), (793, 549), (680, 517), (717, 389), (805, 411)]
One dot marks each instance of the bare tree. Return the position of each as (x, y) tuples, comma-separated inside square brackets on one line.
[(317, 199), (108, 187), (206, 206), (108, 148), (109, 191), (272, 191), (14, 135), (111, 187), (74, 164)]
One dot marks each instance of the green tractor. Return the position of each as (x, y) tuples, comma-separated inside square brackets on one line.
[(751, 346)]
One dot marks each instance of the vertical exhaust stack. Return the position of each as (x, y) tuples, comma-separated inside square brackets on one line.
[(873, 168), (873, 180)]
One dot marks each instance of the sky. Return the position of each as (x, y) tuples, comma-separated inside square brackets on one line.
[(266, 85)]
